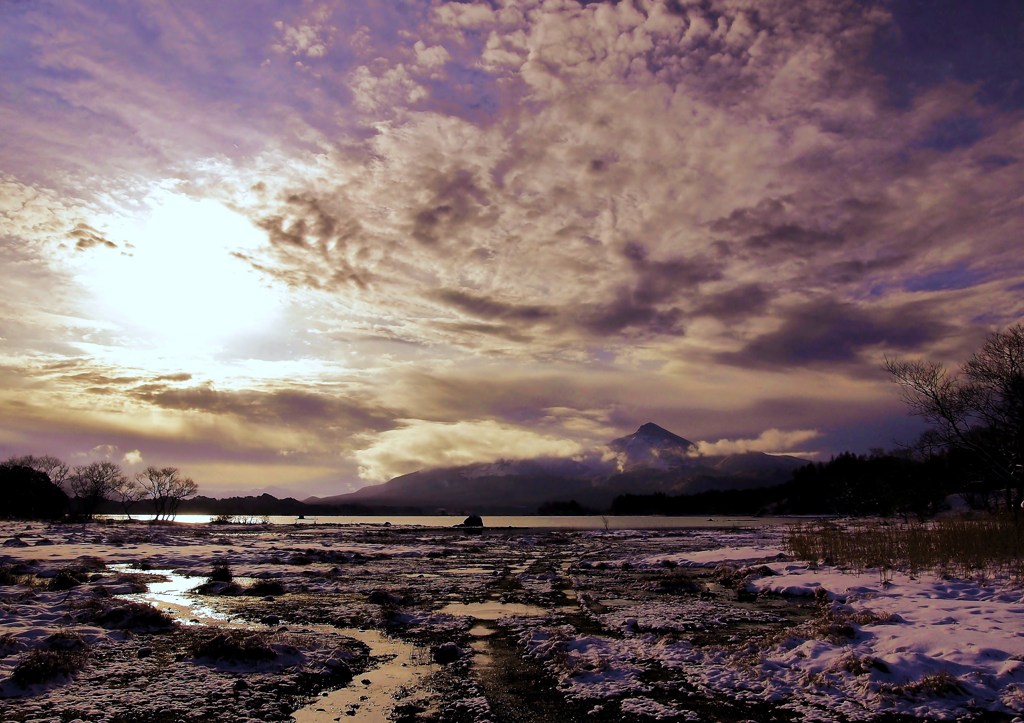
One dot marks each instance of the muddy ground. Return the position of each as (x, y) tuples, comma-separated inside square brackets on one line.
[(507, 625)]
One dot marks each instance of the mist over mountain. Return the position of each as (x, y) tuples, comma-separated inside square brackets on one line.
[(650, 460)]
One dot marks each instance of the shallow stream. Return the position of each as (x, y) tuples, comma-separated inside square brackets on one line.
[(369, 697), (398, 668)]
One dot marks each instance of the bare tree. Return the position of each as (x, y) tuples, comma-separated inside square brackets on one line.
[(54, 468), (129, 491), (166, 488), (93, 483), (978, 410), (181, 489)]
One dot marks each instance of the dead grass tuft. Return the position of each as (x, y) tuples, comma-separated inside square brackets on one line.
[(862, 665), (234, 646), (43, 666), (956, 546), (938, 685), (65, 579), (138, 617), (220, 571), (266, 588), (13, 575), (64, 640)]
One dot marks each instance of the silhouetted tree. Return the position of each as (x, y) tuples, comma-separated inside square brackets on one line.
[(129, 491), (93, 483), (849, 484), (54, 468), (977, 411), (166, 488), (28, 493)]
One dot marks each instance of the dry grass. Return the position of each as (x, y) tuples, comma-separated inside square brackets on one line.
[(220, 571), (134, 616), (65, 580), (61, 655), (41, 666), (234, 646), (936, 685), (13, 575), (266, 588), (955, 546)]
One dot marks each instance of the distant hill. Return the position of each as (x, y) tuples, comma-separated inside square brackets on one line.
[(509, 487), (651, 460)]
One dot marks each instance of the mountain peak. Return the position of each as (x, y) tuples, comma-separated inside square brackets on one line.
[(652, 431), (651, 428), (652, 446)]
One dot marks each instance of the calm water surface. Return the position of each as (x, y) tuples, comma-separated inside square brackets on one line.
[(582, 522)]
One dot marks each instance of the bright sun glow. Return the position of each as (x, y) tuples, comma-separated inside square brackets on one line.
[(174, 280)]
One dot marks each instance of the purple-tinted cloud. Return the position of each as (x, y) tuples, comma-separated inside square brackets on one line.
[(826, 332), (538, 222)]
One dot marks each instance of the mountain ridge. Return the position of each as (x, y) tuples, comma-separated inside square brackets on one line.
[(652, 459)]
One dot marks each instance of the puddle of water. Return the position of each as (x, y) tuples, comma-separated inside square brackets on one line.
[(371, 696), (172, 596), (482, 657), (493, 610), (469, 571), (570, 592)]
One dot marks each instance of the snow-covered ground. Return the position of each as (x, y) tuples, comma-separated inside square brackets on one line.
[(685, 625)]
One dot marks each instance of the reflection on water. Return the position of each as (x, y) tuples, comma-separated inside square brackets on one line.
[(172, 596), (370, 697), (469, 571), (493, 610)]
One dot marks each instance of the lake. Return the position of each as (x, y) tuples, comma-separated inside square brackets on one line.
[(567, 522)]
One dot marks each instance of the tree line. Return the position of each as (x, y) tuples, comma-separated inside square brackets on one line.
[(44, 487), (974, 447), (975, 414), (880, 483)]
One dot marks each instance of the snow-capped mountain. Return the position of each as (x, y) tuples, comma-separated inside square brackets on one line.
[(650, 460), (652, 447)]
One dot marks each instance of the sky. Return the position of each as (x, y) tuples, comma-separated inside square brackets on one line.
[(309, 246)]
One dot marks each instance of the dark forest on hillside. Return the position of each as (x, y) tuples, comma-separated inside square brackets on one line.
[(846, 485)]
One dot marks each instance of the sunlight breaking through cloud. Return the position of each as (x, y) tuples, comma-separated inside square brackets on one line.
[(716, 216)]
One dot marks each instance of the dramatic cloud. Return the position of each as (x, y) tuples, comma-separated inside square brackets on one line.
[(343, 239), (419, 444), (772, 441), (838, 333)]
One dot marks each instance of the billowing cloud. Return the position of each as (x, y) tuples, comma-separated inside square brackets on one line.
[(771, 441), (837, 333), (429, 223), (495, 220), (310, 36), (347, 410), (420, 444)]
